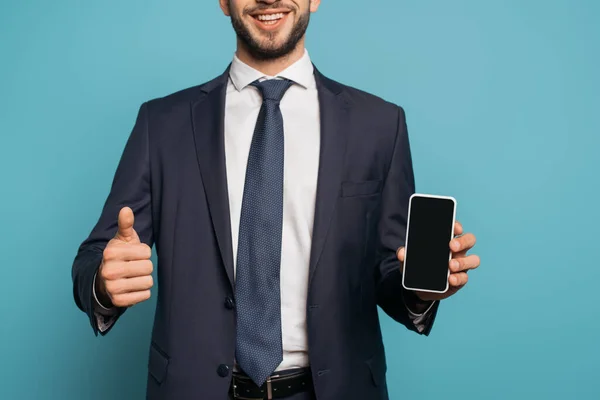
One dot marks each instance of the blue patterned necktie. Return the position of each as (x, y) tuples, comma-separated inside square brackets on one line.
[(257, 284)]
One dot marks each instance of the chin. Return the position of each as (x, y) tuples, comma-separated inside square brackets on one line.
[(272, 46), (268, 45), (268, 42), (269, 53)]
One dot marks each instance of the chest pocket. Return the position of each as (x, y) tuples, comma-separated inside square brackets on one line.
[(364, 188)]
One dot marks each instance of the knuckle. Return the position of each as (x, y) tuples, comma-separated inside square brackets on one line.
[(109, 253), (147, 250), (106, 271), (107, 274), (110, 287), (113, 287), (111, 271), (453, 264), (459, 279), (119, 301), (145, 282), (150, 267)]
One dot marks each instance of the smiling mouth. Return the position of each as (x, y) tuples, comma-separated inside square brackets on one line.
[(271, 19)]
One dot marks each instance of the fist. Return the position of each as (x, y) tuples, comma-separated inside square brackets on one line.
[(125, 274)]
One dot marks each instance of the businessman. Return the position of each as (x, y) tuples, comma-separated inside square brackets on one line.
[(277, 201)]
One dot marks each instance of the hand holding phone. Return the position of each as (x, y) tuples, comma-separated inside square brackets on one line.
[(427, 254), (435, 261)]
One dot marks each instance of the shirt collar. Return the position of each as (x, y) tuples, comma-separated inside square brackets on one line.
[(301, 73)]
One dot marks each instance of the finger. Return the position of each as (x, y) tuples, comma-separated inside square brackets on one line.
[(459, 279), (126, 232), (400, 254), (130, 299), (116, 251), (458, 228), (130, 285), (460, 254), (126, 269), (465, 242), (464, 263), (138, 268)]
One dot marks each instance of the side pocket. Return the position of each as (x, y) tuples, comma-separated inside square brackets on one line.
[(157, 363), (378, 368)]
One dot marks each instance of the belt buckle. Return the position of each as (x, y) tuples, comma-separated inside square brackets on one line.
[(236, 395)]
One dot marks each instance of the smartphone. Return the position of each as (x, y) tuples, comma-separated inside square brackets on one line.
[(429, 230)]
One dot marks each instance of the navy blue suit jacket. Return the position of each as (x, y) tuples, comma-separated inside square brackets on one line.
[(172, 174)]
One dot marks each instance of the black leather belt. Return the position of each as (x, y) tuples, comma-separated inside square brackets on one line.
[(278, 386)]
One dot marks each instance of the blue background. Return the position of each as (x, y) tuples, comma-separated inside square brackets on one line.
[(502, 99)]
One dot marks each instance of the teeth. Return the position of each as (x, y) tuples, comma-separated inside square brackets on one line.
[(270, 17)]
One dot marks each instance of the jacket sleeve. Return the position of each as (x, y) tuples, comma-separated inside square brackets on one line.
[(399, 185), (130, 187)]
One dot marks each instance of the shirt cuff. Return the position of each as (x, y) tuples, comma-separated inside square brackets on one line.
[(105, 317), (96, 297), (424, 313), (420, 320)]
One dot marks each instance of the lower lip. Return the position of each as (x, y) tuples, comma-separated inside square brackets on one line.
[(270, 26)]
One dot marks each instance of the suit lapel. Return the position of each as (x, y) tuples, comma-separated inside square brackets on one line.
[(333, 111), (208, 117)]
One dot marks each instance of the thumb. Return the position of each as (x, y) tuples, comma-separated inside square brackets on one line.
[(126, 232), (400, 254)]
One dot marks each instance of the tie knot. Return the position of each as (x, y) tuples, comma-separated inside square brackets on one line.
[(273, 89)]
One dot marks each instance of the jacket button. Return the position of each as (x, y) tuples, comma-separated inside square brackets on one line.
[(223, 370), (229, 303)]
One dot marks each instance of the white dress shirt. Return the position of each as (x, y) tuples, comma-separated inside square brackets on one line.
[(301, 124)]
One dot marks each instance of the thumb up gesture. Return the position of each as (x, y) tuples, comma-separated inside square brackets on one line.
[(125, 274)]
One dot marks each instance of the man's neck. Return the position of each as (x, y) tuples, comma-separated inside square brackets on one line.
[(274, 66)]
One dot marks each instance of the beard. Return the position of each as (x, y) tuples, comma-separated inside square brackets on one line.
[(266, 50)]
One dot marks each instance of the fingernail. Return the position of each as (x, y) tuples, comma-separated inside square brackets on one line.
[(454, 264)]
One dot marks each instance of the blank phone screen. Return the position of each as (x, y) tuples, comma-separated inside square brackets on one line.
[(430, 229)]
